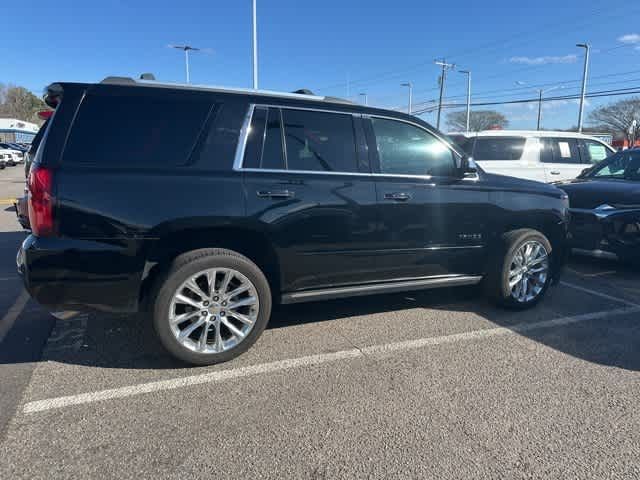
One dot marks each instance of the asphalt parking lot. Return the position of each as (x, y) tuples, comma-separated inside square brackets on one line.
[(435, 384)]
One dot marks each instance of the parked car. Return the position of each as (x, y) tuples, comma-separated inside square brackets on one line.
[(535, 155), (11, 156), (605, 208), (206, 205)]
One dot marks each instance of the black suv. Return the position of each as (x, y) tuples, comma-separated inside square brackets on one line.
[(205, 205)]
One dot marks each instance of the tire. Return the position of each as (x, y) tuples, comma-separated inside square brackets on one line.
[(200, 264), (504, 262)]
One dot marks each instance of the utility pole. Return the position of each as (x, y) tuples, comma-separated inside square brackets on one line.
[(410, 85), (255, 47), (539, 107), (468, 73), (186, 49), (366, 98), (443, 79), (584, 83)]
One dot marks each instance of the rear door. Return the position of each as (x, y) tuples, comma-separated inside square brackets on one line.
[(308, 185), (512, 156), (561, 158)]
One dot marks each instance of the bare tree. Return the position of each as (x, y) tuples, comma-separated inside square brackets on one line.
[(478, 120), (20, 103), (618, 116)]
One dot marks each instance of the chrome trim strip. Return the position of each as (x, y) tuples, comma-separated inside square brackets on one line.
[(312, 172), (387, 287), (242, 139)]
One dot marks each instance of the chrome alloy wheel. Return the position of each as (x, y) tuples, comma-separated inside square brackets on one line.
[(214, 310), (528, 271)]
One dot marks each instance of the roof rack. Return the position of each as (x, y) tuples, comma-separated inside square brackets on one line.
[(307, 95)]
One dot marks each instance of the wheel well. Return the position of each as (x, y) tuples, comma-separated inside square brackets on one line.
[(252, 244)]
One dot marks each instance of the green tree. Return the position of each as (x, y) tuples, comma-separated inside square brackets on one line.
[(478, 120), (20, 103)]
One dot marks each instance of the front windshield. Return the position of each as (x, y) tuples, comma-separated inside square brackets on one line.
[(623, 165)]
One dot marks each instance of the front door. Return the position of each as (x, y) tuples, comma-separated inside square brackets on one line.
[(431, 219)]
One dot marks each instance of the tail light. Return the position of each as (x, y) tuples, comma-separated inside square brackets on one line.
[(41, 201)]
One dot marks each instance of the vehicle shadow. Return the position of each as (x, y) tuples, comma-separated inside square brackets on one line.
[(129, 342)]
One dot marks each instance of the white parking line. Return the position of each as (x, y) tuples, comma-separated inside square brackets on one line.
[(223, 375), (10, 317), (600, 294)]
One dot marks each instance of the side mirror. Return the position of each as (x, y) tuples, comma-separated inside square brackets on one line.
[(468, 168), (584, 172)]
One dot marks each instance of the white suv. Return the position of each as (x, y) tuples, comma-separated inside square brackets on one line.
[(534, 155)]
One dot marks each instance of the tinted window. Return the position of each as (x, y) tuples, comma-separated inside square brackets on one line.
[(136, 131), (498, 148), (404, 149), (559, 150), (594, 152), (318, 141), (623, 165)]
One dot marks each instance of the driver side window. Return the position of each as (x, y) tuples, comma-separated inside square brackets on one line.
[(404, 149)]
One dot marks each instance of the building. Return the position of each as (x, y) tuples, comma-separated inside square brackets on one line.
[(13, 130)]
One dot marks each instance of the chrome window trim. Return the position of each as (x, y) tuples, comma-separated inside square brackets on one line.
[(244, 134)]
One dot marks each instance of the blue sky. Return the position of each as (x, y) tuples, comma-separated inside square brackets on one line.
[(319, 45)]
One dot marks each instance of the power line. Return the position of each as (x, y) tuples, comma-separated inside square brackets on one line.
[(603, 93), (397, 73)]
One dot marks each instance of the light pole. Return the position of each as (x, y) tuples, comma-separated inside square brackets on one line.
[(255, 46), (584, 83), (540, 93), (468, 74), (366, 102), (410, 85), (443, 79), (186, 49)]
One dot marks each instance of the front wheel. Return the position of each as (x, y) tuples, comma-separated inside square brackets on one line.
[(212, 306), (520, 273)]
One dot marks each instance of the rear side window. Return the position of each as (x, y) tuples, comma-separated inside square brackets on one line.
[(498, 148), (559, 150), (319, 141), (136, 130)]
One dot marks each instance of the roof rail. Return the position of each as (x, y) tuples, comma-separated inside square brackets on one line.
[(119, 81), (145, 80)]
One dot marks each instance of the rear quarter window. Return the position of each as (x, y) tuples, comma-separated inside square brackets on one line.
[(498, 148), (136, 130)]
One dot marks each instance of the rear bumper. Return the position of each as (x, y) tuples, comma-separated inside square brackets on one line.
[(80, 275)]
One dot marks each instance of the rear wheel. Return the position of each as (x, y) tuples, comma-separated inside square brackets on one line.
[(520, 273), (212, 306)]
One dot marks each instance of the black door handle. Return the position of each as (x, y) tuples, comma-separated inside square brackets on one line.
[(398, 196), (275, 193)]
